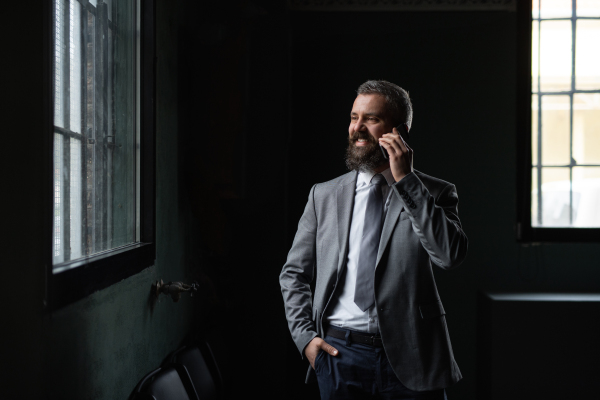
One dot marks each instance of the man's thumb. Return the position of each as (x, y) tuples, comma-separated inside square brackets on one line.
[(329, 349)]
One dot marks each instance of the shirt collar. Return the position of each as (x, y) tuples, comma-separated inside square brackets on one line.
[(364, 178)]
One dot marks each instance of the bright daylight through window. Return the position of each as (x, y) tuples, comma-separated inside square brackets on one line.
[(96, 127), (565, 114)]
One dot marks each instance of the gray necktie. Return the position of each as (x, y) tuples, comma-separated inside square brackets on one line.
[(364, 295)]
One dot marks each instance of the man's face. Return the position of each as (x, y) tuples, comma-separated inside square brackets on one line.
[(368, 122)]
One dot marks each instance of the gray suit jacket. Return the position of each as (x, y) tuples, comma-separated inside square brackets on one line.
[(421, 227)]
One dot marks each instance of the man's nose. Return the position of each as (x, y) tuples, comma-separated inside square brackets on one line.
[(359, 126)]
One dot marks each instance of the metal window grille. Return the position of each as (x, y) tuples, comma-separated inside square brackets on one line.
[(84, 127), (542, 101)]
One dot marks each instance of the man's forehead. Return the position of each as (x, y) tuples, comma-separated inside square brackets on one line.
[(373, 100), (369, 104), (373, 113)]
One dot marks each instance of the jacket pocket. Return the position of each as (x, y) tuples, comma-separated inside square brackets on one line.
[(432, 310), (318, 360)]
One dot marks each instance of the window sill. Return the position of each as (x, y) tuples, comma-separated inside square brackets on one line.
[(77, 279), (561, 235)]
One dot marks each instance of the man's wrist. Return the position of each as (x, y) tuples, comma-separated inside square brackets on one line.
[(400, 178), (309, 342), (403, 176)]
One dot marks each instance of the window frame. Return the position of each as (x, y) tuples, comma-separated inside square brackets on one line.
[(525, 232), (98, 271)]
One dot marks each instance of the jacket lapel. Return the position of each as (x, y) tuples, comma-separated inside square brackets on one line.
[(391, 218), (345, 205)]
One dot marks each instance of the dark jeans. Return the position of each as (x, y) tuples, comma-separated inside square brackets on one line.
[(361, 371)]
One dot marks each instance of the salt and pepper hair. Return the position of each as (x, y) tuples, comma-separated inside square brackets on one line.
[(397, 101)]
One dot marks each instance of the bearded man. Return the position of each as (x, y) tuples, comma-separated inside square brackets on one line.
[(375, 326)]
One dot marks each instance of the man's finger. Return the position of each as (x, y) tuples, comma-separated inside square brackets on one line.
[(392, 142), (387, 146), (402, 142), (329, 348)]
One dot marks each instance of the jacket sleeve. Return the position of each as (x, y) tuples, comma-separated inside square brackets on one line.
[(296, 276), (434, 220)]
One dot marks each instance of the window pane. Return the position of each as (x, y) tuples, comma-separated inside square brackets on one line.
[(556, 146), (534, 198), (555, 197), (95, 119), (535, 61), (586, 128), (75, 66), (555, 56), (586, 197), (535, 8), (588, 8), (123, 120), (556, 8), (568, 194), (587, 55), (75, 204), (534, 129), (109, 4), (59, 63), (57, 231)]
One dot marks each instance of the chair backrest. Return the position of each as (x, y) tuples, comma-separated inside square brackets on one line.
[(171, 382), (206, 382)]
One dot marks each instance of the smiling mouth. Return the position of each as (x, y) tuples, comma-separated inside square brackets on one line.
[(361, 142)]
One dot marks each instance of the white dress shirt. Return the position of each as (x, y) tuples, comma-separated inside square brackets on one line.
[(343, 311)]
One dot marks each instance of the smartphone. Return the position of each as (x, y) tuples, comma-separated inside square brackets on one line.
[(404, 132)]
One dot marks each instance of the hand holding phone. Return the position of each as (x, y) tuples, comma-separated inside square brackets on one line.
[(401, 128)]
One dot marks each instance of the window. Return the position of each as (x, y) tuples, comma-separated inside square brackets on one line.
[(562, 193), (102, 139)]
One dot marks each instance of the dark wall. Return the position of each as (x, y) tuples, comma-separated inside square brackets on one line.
[(102, 345), (252, 109), (460, 70), (235, 120), (222, 111), (21, 255)]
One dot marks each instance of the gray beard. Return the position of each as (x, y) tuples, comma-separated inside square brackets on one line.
[(364, 159)]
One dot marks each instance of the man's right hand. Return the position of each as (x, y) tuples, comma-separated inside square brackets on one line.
[(315, 346)]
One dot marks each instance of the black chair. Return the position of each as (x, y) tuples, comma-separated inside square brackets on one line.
[(171, 382), (202, 369)]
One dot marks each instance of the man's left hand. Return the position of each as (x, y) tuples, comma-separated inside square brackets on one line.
[(401, 156)]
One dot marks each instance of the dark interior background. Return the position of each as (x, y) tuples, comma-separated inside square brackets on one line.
[(252, 110)]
